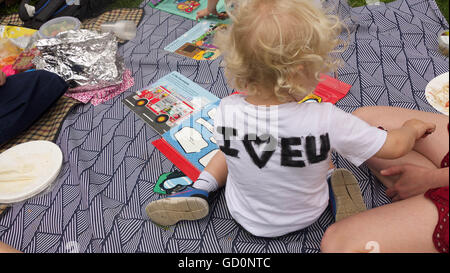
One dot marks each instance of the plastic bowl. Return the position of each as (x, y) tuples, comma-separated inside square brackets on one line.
[(58, 25), (443, 40)]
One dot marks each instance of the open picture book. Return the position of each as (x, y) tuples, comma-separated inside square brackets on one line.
[(182, 112), (197, 43)]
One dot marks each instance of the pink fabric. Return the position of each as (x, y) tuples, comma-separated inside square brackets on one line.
[(99, 96), (8, 70)]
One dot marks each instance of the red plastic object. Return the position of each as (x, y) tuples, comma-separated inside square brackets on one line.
[(178, 160), (331, 90)]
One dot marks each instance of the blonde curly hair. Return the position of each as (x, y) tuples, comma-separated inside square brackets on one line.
[(280, 45)]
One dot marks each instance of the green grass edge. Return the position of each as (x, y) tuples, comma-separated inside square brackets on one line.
[(443, 6)]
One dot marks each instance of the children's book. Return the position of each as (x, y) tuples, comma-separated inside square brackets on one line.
[(166, 103), (183, 113), (186, 8), (191, 145), (197, 43)]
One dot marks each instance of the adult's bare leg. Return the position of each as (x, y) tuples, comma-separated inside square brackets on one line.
[(404, 226), (4, 248)]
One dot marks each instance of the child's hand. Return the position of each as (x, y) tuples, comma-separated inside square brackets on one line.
[(2, 78), (401, 141), (205, 13), (223, 16), (421, 129)]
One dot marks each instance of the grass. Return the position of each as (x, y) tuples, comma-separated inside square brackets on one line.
[(443, 5), (117, 4)]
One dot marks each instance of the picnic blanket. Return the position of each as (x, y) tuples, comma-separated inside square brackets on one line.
[(110, 167), (49, 125)]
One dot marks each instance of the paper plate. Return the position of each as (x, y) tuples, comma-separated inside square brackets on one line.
[(40, 160), (437, 95)]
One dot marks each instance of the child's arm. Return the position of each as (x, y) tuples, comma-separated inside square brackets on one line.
[(401, 141), (211, 9), (2, 78)]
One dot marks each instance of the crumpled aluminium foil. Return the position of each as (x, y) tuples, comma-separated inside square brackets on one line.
[(82, 58)]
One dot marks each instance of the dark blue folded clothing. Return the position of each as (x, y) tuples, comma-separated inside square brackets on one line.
[(24, 98)]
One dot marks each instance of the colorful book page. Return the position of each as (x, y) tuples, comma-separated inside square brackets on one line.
[(185, 8), (169, 101), (197, 43), (193, 138)]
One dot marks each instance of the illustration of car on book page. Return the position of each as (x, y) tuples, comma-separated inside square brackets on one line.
[(168, 101), (167, 107), (160, 107)]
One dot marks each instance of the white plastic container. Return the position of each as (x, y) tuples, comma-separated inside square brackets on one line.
[(123, 29), (58, 25), (443, 40)]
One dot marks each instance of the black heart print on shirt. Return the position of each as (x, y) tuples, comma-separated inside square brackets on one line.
[(268, 151)]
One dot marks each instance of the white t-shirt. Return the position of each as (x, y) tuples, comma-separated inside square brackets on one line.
[(278, 158)]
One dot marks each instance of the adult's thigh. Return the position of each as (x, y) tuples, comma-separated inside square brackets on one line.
[(404, 226)]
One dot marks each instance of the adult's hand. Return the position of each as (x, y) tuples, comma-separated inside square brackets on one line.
[(413, 180), (2, 78)]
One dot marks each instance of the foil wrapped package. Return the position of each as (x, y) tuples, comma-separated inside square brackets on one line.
[(82, 58)]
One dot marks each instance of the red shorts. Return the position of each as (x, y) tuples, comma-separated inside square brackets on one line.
[(440, 236), (440, 199)]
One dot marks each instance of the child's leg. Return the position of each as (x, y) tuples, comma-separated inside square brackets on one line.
[(404, 226), (191, 203), (345, 194), (215, 174)]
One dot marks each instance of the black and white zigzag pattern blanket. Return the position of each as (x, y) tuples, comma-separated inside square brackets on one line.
[(110, 166)]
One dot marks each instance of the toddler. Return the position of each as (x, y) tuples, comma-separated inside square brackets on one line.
[(275, 152)]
